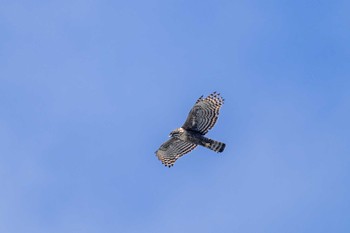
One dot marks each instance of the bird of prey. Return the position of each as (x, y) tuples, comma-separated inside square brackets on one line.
[(200, 120)]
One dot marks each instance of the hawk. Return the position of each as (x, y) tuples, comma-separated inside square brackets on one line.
[(200, 120)]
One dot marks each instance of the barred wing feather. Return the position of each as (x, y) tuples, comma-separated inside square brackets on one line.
[(204, 113), (173, 149)]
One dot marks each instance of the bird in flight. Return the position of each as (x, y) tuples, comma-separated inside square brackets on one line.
[(200, 120)]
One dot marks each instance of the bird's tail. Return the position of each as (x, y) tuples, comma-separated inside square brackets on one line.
[(214, 145)]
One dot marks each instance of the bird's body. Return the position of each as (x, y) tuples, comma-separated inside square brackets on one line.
[(198, 139), (200, 120)]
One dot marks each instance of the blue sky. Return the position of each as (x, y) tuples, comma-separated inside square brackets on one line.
[(90, 89)]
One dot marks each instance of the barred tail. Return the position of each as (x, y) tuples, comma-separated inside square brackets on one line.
[(214, 145)]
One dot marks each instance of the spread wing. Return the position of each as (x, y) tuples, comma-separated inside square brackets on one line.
[(204, 113), (173, 149)]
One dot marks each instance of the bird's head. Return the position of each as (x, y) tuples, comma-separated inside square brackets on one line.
[(176, 133)]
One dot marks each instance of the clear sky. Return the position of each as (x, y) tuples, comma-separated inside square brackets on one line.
[(90, 89)]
